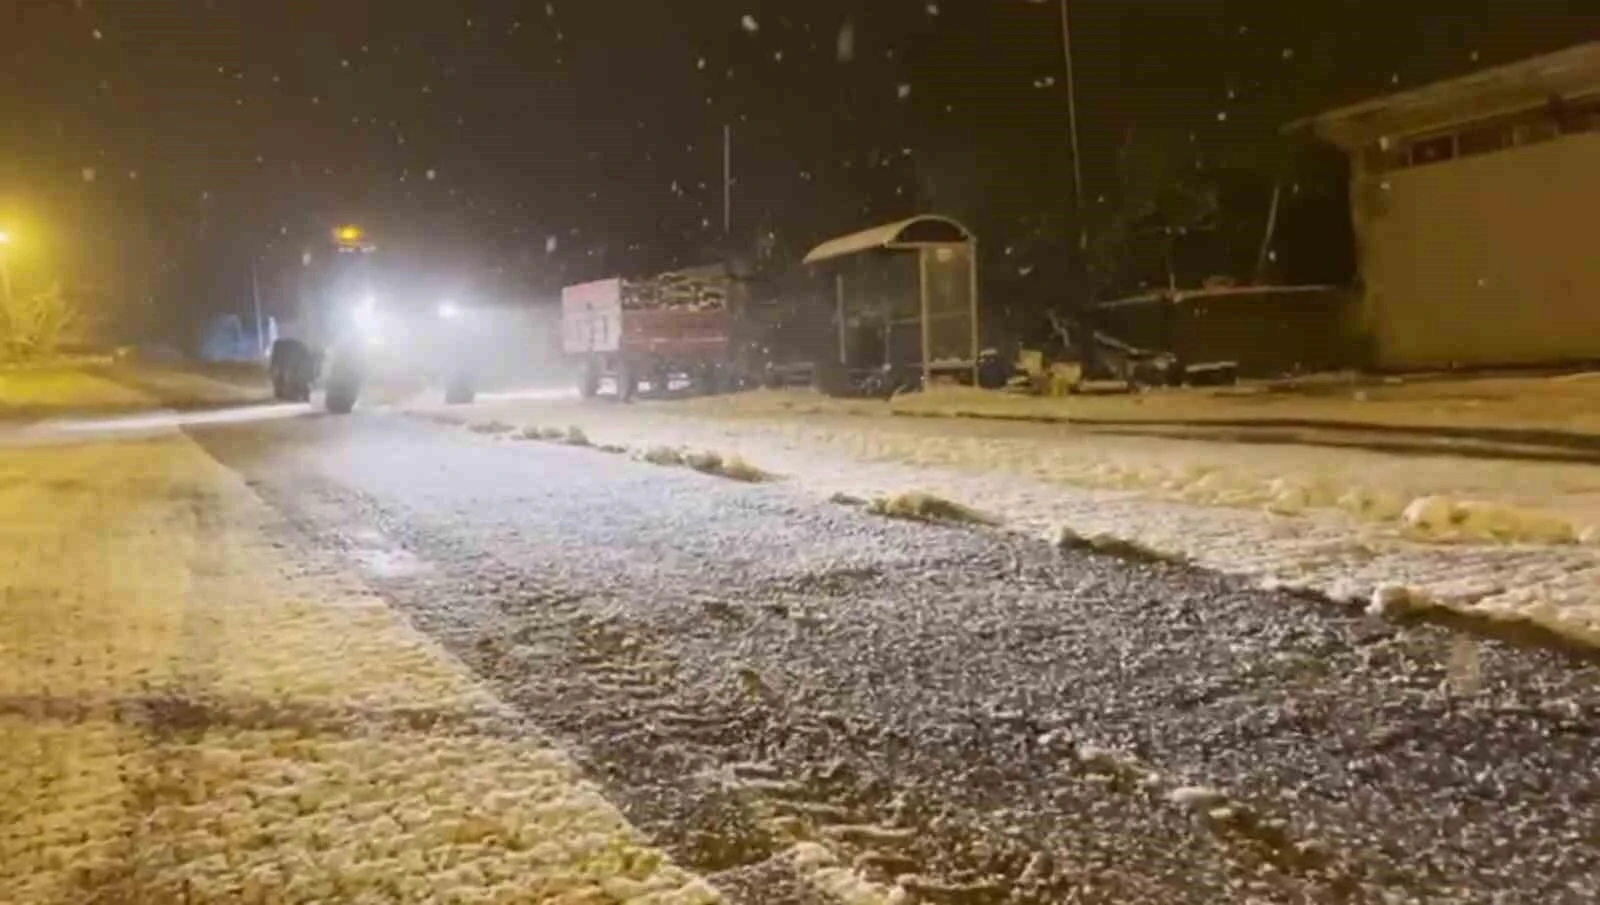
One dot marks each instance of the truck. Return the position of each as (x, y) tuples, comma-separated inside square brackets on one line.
[(673, 331), (351, 331)]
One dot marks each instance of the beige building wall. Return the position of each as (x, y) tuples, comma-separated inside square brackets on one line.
[(1492, 259)]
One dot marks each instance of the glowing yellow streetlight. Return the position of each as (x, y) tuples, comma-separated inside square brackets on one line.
[(350, 235)]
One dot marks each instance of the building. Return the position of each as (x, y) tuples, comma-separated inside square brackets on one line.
[(1476, 205)]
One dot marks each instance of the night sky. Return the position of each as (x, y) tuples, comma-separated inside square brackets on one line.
[(153, 145)]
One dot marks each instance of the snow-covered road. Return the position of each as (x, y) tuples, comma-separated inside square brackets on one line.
[(806, 703)]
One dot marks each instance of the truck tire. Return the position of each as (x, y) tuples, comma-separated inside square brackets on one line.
[(344, 386), (460, 391), (627, 383), (340, 401), (589, 381)]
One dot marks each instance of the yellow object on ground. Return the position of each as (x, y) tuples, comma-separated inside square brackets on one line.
[(186, 715)]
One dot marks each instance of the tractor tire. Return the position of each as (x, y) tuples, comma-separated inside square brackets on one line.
[(344, 387), (460, 391), (627, 383), (341, 399), (589, 381)]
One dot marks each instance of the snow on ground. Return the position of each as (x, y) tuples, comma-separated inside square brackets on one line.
[(1501, 537), (33, 391), (1567, 403), (188, 716), (94, 385)]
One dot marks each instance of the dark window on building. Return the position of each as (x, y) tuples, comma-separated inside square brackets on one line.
[(1484, 140), (1537, 130), (1433, 150), (1583, 117)]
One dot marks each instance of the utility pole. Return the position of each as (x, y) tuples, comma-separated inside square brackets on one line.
[(1072, 128)]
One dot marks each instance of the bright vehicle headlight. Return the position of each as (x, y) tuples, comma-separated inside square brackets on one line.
[(449, 311), (365, 314)]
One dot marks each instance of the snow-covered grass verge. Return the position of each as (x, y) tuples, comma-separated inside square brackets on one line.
[(41, 391), (1269, 514), (1424, 498), (1567, 403), (193, 717)]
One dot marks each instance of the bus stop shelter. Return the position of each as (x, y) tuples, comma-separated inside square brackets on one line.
[(905, 299)]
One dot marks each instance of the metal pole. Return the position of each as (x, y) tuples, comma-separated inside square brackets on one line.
[(1072, 128), (972, 289), (255, 298), (838, 301), (727, 180), (927, 324)]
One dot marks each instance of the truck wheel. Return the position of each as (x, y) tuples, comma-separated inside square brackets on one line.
[(343, 388), (460, 392), (627, 383), (589, 381), (341, 400)]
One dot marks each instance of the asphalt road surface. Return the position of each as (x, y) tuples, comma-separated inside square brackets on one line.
[(764, 681)]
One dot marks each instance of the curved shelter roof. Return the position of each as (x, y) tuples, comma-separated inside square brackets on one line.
[(914, 232)]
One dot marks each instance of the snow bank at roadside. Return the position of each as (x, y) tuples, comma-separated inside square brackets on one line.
[(1336, 523), (1568, 404)]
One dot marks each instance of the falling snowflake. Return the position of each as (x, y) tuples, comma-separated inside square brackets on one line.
[(1222, 116), (1025, 270), (1046, 82), (844, 46), (87, 173), (344, 64), (904, 90), (97, 34), (431, 174), (133, 174), (551, 243), (777, 56), (750, 24), (700, 63), (932, 8), (550, 9), (1288, 53)]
